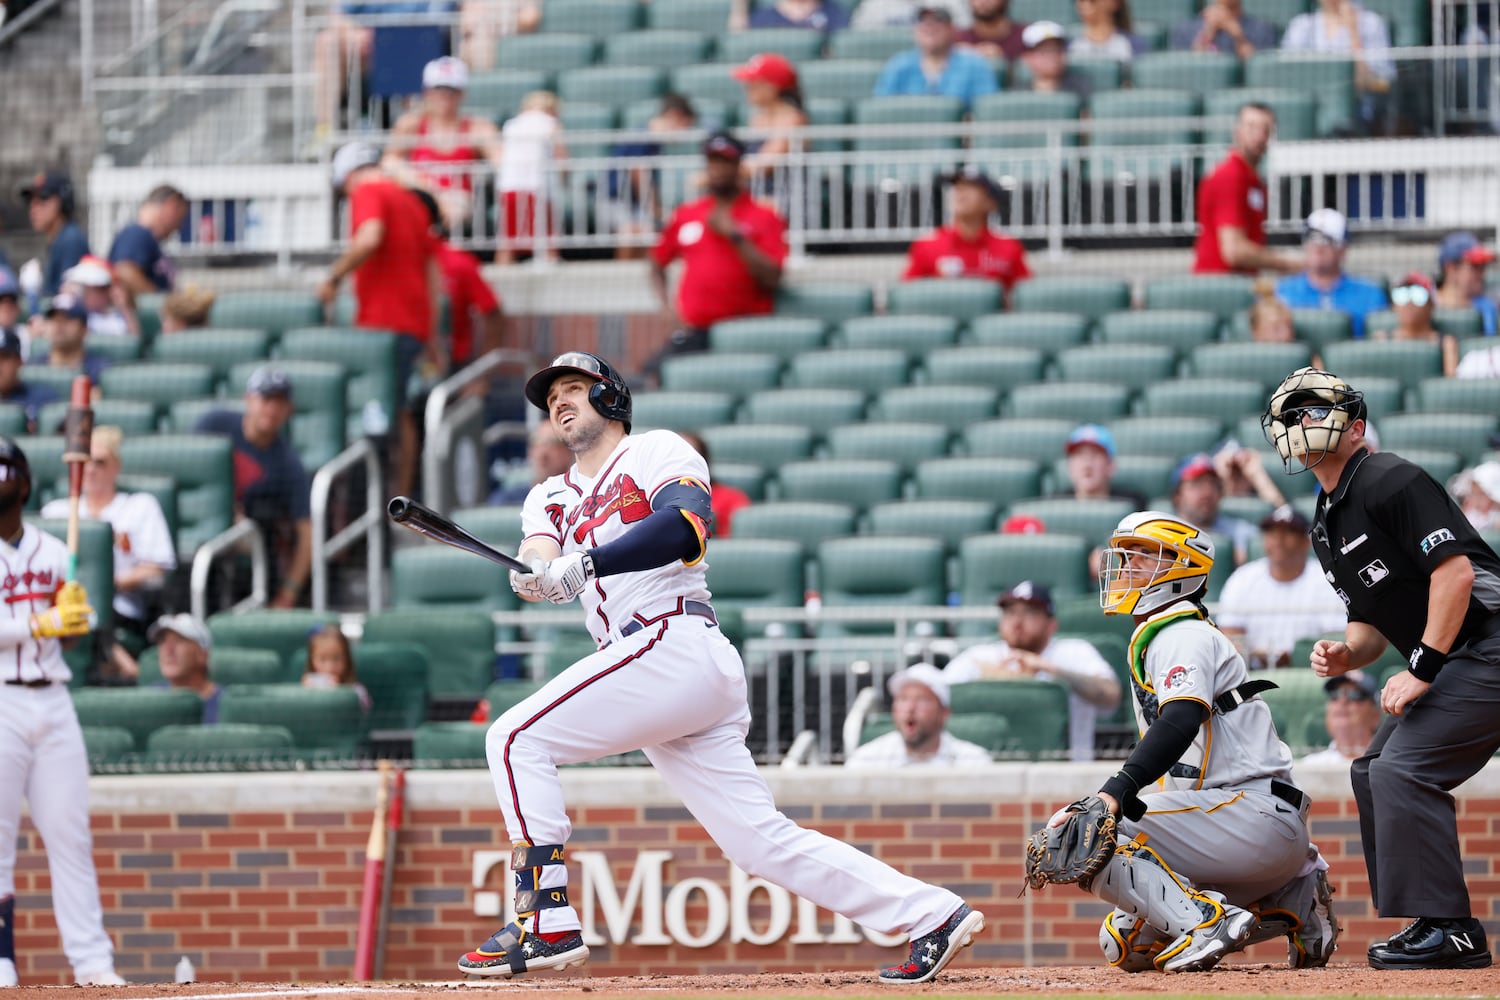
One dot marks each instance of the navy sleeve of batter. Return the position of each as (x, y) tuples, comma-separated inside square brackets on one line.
[(1166, 740), (663, 537)]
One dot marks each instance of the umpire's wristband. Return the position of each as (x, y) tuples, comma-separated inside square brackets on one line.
[(1426, 662)]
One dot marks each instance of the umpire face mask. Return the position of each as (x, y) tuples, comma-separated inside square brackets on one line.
[(1308, 415)]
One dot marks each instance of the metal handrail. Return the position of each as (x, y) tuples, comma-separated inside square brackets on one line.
[(203, 561), (438, 422), (25, 19), (370, 524)]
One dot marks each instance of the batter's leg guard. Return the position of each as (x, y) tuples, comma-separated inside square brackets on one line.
[(1201, 928), (513, 949)]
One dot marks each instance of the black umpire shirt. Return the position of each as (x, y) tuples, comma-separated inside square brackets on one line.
[(1381, 533)]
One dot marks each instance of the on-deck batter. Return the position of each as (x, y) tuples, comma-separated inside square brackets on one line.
[(626, 529)]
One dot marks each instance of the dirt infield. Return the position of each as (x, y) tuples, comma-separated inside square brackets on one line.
[(1233, 980)]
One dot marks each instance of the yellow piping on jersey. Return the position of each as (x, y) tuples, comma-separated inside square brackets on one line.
[(701, 532), (1187, 809)]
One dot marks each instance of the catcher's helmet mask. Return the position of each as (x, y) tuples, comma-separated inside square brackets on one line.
[(1308, 415), (610, 396), (13, 462), (1178, 558)]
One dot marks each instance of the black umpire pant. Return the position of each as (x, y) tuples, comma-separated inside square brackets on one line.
[(1402, 785)]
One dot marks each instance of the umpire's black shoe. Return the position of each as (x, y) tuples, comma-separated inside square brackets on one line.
[(1429, 943)]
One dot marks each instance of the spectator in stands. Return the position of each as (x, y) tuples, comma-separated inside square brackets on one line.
[(1343, 26), (1351, 715), (1478, 494), (1023, 524), (30, 396), (994, 33), (437, 149), (1030, 650), (140, 263), (775, 100), (183, 645), (1324, 284), (392, 254), (1197, 492), (1232, 204), (1046, 56), (1481, 362), (270, 484), (1414, 300), (471, 301), (732, 250), (1463, 261), (188, 308), (1105, 31), (111, 313), (1243, 472), (635, 192), (723, 498), (920, 710), (935, 66), (1270, 317), (330, 663), (816, 15), (1090, 456), (144, 550), (67, 326), (871, 14), (1271, 603), (969, 247), (1223, 26), (10, 299), (530, 143), (482, 23), (49, 202), (547, 455)]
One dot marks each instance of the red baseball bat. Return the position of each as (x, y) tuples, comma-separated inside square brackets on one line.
[(369, 902)]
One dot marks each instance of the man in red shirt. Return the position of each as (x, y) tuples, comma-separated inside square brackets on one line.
[(968, 247), (393, 256), (732, 249), (1232, 204)]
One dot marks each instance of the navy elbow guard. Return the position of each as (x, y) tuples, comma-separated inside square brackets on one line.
[(690, 498)]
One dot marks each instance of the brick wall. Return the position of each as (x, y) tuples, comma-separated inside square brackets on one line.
[(257, 877)]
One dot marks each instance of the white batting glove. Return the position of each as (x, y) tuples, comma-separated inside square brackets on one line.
[(566, 576), (528, 586)]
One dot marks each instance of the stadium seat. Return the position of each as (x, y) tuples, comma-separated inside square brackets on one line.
[(1177, 436), (368, 356), (163, 488), (1155, 152), (682, 411), (96, 561), (783, 336), (1320, 327), (272, 311), (132, 416), (759, 572), (544, 52), (496, 94), (1104, 73), (1013, 106), (282, 631), (1148, 475), (112, 348), (460, 645), (922, 109), (1132, 365), (225, 744), (766, 445), (601, 18), (816, 409), (878, 44), (496, 524), (13, 418), (805, 523), (1409, 21), (247, 665), (1406, 360), (709, 16), (157, 383), (1200, 73), (1296, 111), (449, 744), (916, 335), (904, 443), (712, 81), (862, 482), (796, 44), (395, 675), (59, 380), (962, 298), (148, 313), (44, 455), (950, 520), (1043, 331), (840, 79), (1002, 367), (996, 481), (831, 301), (1440, 465), (1266, 364), (889, 570), (663, 48), (1080, 402), (954, 406), (1035, 712), (742, 476), (1221, 294), (1180, 329), (443, 577), (1088, 296), (992, 563), (1091, 520), (107, 745), (203, 466), (1330, 80), (1464, 434), (141, 711), (1039, 439), (1224, 399), (1458, 395), (1460, 323), (220, 349), (613, 85), (868, 370), (721, 371), (329, 720), (1297, 697)]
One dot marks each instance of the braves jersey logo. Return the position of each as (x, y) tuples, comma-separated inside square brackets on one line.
[(622, 497), (28, 586)]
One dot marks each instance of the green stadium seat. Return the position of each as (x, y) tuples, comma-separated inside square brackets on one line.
[(1200, 73), (1081, 614), (13, 418), (232, 665), (96, 571), (497, 524), (1464, 434), (1135, 106), (682, 411), (721, 371), (60, 380), (1104, 73), (271, 311), (114, 348), (878, 44), (107, 745), (803, 522), (157, 383), (1035, 712), (1440, 465), (923, 109), (742, 476), (1091, 297), (1224, 399), (862, 482), (226, 744), (767, 445), (614, 85), (44, 455), (1039, 439), (889, 570), (1177, 436), (826, 111), (1092, 520), (709, 16), (1330, 79), (318, 387), (831, 301), (395, 675), (992, 563), (992, 732), (1133, 365), (504, 695), (1460, 323), (1296, 111), (1458, 395), (148, 313), (282, 631), (368, 356), (1079, 402), (951, 520), (867, 370), (710, 81), (1409, 22), (496, 93), (815, 409), (1042, 331), (1297, 698), (449, 744), (163, 488), (1278, 12), (796, 44), (760, 572), (1320, 327), (443, 577), (1406, 360), (962, 298), (460, 645), (203, 466), (1221, 294), (917, 335), (996, 481), (330, 720), (1014, 106), (840, 79), (904, 443), (663, 48), (141, 711), (1005, 368), (544, 52), (1266, 364), (954, 406), (601, 18), (220, 349), (783, 336), (1180, 329), (1148, 475), (1383, 394), (133, 416)]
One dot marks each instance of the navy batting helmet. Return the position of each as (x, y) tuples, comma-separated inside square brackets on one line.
[(13, 458), (611, 396)]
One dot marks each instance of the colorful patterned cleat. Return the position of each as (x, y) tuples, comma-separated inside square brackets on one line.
[(512, 951), (931, 953)]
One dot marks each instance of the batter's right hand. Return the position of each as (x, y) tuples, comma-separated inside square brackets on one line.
[(1330, 657), (66, 621), (528, 586)]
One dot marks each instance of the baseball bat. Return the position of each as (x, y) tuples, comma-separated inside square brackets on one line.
[(425, 521), (375, 862), (78, 431), (393, 833)]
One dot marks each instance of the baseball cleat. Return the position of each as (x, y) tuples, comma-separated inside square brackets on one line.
[(932, 952), (511, 951), (108, 977), (1201, 948), (1129, 943), (8, 975), (1428, 943), (1312, 944)]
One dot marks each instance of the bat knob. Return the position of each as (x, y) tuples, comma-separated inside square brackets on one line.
[(398, 508)]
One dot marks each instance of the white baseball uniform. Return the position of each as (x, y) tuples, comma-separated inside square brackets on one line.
[(667, 681), (42, 752)]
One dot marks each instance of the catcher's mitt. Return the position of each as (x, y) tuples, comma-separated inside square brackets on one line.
[(1076, 849)]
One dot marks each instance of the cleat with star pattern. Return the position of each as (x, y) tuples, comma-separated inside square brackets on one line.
[(931, 953), (512, 951)]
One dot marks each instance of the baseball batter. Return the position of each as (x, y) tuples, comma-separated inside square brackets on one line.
[(626, 530), (1220, 857), (41, 747)]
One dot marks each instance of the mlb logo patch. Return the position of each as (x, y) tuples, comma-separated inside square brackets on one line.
[(1374, 573), (1435, 539)]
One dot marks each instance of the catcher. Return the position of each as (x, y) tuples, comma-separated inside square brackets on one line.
[(1220, 858)]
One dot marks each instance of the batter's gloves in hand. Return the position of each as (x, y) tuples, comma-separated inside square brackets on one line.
[(66, 621), (528, 586), (566, 576), (71, 592), (1074, 850)]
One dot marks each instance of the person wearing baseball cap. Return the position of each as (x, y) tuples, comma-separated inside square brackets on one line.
[(1463, 262), (67, 326), (10, 298), (775, 99), (1323, 283), (183, 646), (1270, 604), (1029, 649), (1089, 452), (815, 15), (920, 711), (969, 247), (1478, 490), (93, 280), (936, 66), (1414, 299), (49, 204), (1351, 714), (1044, 46), (30, 396), (1197, 492)]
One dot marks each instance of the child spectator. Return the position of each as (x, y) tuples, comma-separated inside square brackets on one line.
[(188, 308), (529, 143), (330, 663)]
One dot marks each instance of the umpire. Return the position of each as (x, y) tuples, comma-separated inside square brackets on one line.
[(1411, 571)]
